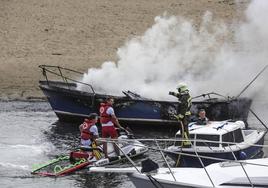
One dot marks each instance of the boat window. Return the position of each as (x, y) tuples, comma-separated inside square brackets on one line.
[(238, 137), (192, 138), (234, 136), (228, 137), (207, 137)]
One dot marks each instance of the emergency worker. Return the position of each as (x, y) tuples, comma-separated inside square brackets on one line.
[(108, 122), (183, 110), (88, 130)]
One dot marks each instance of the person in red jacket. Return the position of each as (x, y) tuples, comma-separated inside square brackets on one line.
[(89, 130), (108, 122)]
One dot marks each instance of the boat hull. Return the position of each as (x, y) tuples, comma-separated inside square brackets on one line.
[(73, 105), (144, 181), (242, 174), (251, 152), (221, 175)]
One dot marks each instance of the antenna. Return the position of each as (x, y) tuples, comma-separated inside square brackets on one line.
[(252, 81)]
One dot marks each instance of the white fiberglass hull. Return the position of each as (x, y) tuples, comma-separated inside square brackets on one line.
[(219, 175)]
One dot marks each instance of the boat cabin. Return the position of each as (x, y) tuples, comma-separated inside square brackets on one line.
[(216, 133)]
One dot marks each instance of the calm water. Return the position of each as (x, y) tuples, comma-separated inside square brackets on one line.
[(30, 134)]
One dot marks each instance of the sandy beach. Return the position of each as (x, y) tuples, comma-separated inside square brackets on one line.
[(82, 34)]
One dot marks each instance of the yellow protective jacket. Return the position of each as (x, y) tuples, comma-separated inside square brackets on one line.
[(185, 103)]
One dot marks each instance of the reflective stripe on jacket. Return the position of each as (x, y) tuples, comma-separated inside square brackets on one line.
[(185, 103)]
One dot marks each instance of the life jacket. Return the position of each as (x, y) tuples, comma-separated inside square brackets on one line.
[(104, 117), (84, 129)]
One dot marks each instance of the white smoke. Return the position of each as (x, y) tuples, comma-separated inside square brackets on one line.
[(211, 57)]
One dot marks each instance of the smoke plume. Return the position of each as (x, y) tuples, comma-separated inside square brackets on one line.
[(213, 56)]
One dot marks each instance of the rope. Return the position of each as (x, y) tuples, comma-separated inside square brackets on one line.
[(179, 156)]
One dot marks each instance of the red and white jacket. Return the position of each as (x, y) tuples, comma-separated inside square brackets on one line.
[(84, 129), (104, 117)]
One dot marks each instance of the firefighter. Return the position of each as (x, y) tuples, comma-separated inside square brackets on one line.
[(183, 111)]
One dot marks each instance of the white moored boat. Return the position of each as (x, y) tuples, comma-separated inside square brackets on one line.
[(240, 174), (218, 139)]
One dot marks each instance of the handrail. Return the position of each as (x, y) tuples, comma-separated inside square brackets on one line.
[(201, 162), (53, 66), (182, 153), (130, 160), (241, 166), (212, 93), (200, 140), (46, 68), (165, 160), (241, 163)]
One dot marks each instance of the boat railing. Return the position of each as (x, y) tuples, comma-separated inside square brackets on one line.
[(181, 152), (210, 94), (163, 156), (203, 141), (196, 155), (241, 166), (60, 72)]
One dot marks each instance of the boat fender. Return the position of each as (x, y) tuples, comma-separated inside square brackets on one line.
[(242, 155), (148, 166)]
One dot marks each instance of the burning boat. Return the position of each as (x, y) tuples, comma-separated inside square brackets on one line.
[(71, 104)]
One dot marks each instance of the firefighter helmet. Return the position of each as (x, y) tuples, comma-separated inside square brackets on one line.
[(182, 88)]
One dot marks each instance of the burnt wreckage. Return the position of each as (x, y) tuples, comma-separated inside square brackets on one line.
[(71, 104)]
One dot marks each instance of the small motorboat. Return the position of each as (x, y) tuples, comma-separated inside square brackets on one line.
[(218, 139), (91, 156), (242, 174)]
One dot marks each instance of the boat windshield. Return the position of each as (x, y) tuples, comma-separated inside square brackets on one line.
[(209, 138), (234, 136)]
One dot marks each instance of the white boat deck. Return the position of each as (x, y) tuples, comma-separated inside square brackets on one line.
[(215, 127), (219, 174)]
